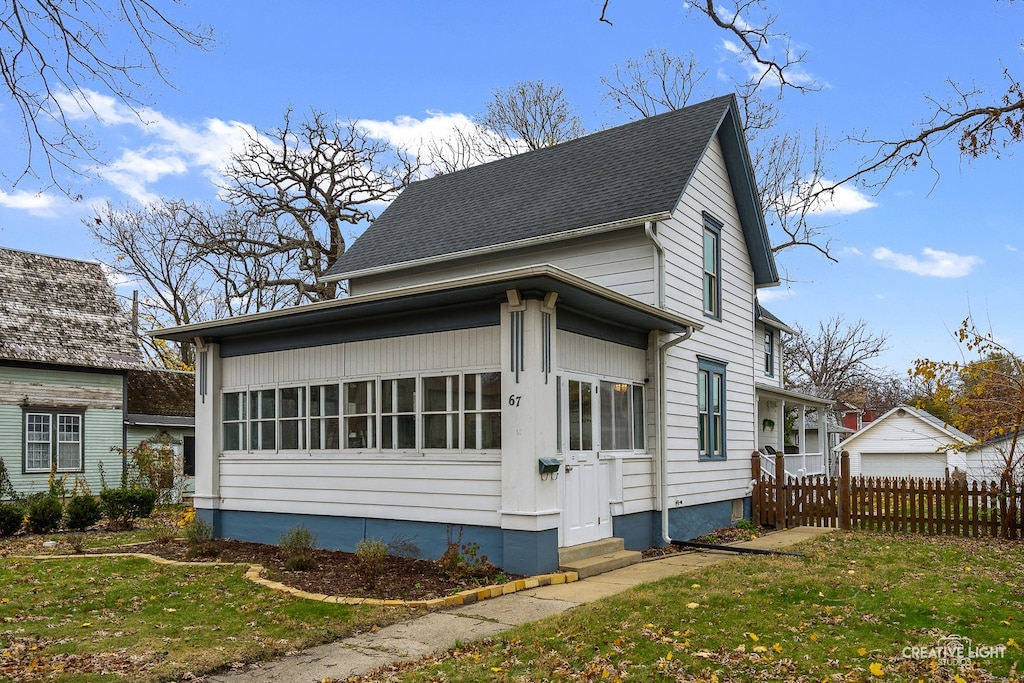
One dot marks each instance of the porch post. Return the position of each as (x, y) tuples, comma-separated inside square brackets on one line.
[(530, 515), (208, 432)]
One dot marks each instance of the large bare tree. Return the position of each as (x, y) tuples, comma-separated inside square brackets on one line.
[(307, 184), (527, 116), (833, 359), (153, 250), (50, 51)]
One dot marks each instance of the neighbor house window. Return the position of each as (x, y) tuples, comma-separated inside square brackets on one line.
[(712, 267), (53, 440), (262, 422), (711, 409), (398, 413), (324, 430), (292, 414), (769, 353), (360, 415), (482, 405), (235, 421), (441, 411)]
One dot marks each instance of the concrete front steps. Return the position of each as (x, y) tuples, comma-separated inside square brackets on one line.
[(596, 557)]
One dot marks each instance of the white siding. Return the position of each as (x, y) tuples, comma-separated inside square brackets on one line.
[(578, 353), (638, 494), (436, 487), (416, 488), (476, 348), (901, 439), (622, 260), (727, 341)]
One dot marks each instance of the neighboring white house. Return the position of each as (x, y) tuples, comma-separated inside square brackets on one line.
[(536, 353), (910, 442)]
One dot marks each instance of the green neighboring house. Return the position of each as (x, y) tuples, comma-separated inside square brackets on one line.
[(162, 410), (66, 349)]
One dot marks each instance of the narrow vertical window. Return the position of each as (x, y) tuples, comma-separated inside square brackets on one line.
[(440, 411), (639, 412), (711, 410), (324, 430), (292, 413), (234, 421), (769, 353), (482, 411), (581, 418), (616, 417), (558, 414), (69, 443), (398, 413), (712, 268), (360, 414), (262, 423), (37, 442)]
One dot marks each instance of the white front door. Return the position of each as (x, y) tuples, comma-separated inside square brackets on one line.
[(586, 510)]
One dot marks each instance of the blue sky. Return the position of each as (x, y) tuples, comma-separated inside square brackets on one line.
[(914, 259)]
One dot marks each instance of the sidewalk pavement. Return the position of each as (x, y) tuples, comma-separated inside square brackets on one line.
[(438, 631)]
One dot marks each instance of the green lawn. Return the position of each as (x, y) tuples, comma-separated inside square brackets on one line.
[(69, 619), (850, 611)]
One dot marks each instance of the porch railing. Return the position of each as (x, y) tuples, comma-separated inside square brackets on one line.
[(794, 465)]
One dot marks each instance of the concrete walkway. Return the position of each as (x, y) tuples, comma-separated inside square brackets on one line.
[(438, 631)]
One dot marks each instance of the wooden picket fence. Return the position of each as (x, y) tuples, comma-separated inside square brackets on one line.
[(915, 506)]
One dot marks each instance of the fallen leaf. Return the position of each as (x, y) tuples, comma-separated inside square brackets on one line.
[(692, 605), (876, 669)]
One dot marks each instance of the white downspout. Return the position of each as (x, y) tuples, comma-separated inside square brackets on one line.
[(659, 269), (663, 431)]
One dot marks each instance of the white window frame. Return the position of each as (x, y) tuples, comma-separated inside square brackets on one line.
[(473, 418), (300, 420), (239, 425), (350, 412), (449, 415), (389, 434), (319, 440), (257, 419), (56, 441)]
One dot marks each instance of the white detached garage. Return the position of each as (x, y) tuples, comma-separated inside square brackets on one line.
[(909, 442)]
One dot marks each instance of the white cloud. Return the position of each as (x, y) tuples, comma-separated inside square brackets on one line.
[(774, 294), (36, 204), (173, 148), (850, 251), (410, 133), (842, 200), (1010, 247), (934, 263)]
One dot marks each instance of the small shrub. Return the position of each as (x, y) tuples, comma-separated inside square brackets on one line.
[(82, 512), (402, 546), (162, 534), (746, 525), (298, 544), (76, 539), (372, 554), (463, 560), (45, 513), (199, 536), (12, 516), (125, 505)]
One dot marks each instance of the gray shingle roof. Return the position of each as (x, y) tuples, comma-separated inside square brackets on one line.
[(61, 311), (639, 169)]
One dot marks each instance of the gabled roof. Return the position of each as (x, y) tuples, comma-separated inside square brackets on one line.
[(954, 434), (768, 318), (609, 179), (61, 311)]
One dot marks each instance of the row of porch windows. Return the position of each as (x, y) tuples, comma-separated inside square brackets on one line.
[(457, 411)]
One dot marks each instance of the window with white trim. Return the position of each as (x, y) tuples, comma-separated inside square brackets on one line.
[(53, 440), (482, 405), (581, 421), (711, 410), (324, 408), (234, 420), (360, 415), (622, 416), (292, 417), (440, 412), (398, 413), (262, 420)]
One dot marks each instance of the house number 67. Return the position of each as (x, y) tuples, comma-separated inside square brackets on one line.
[(514, 400)]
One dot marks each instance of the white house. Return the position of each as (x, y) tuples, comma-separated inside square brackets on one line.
[(910, 442), (537, 352)]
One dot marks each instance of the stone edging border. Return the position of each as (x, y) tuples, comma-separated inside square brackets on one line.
[(254, 571)]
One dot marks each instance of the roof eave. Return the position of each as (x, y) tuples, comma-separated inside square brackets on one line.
[(503, 246)]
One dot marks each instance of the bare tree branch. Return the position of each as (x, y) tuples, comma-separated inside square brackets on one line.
[(832, 360), (52, 51)]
